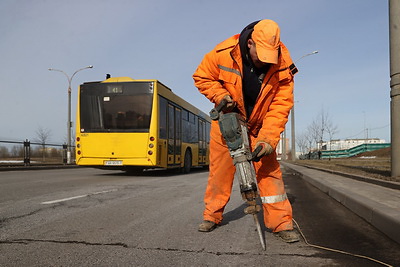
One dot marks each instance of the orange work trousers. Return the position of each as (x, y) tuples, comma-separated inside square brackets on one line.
[(276, 207)]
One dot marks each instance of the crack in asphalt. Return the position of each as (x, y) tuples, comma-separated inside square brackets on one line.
[(6, 220), (229, 253), (27, 241)]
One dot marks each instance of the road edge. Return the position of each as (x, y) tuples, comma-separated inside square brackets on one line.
[(384, 219)]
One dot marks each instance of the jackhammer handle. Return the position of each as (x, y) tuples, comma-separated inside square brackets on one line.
[(214, 113), (254, 154)]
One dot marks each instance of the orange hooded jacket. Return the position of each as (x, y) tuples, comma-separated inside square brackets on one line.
[(220, 74)]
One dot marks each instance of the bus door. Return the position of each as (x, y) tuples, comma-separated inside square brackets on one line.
[(202, 142), (178, 135), (174, 135)]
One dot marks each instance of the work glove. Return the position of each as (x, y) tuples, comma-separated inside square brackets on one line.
[(262, 149), (230, 105)]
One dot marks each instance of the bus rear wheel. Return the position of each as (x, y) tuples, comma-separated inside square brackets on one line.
[(187, 162), (133, 170)]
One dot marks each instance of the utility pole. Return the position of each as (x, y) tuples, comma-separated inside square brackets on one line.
[(283, 156), (394, 36)]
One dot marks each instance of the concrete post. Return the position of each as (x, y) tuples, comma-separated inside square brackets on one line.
[(292, 127), (283, 156), (394, 35), (27, 153)]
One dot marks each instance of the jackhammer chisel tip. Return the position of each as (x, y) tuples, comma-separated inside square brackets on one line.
[(259, 231)]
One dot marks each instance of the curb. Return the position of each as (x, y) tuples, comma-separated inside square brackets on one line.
[(383, 218), (388, 184)]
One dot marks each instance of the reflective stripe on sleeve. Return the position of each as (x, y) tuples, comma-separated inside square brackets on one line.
[(229, 69), (274, 199)]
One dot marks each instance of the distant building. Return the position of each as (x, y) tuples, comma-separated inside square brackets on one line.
[(349, 143)]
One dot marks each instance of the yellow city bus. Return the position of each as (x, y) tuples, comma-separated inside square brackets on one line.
[(138, 124)]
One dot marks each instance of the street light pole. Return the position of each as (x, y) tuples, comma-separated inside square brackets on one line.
[(292, 124), (69, 122), (306, 55)]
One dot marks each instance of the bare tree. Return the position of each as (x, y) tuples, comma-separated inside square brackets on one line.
[(17, 151), (321, 125), (331, 130), (324, 121), (4, 153), (43, 136), (314, 133), (302, 143)]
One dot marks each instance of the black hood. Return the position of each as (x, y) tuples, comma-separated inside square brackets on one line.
[(248, 29), (244, 36)]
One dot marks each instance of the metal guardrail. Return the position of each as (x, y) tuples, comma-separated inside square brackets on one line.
[(27, 149)]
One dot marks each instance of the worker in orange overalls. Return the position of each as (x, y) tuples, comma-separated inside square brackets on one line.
[(253, 71)]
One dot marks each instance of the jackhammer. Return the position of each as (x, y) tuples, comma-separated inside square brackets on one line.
[(234, 130)]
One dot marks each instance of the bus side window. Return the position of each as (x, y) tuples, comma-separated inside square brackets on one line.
[(185, 127), (208, 126)]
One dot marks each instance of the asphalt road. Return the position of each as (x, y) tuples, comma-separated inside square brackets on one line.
[(90, 217)]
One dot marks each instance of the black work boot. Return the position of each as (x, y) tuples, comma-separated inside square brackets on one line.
[(288, 236), (207, 226)]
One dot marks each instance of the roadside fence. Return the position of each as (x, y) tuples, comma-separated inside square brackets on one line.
[(28, 153)]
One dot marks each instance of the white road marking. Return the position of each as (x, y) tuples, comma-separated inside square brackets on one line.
[(76, 197)]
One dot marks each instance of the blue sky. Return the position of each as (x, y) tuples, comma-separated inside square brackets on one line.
[(166, 40)]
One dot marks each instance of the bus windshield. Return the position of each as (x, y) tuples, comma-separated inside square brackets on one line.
[(116, 107)]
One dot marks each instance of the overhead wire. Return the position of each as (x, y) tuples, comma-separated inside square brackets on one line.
[(375, 128)]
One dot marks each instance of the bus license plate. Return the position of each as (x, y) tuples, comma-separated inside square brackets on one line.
[(113, 163)]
